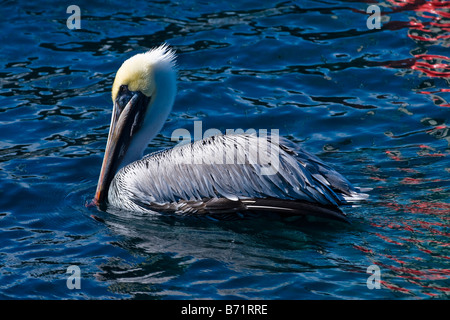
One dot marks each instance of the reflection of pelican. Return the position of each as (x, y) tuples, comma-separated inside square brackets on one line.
[(189, 179)]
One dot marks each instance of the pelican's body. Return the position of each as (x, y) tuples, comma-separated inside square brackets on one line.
[(220, 176)]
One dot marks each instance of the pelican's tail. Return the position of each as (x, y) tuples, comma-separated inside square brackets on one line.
[(296, 208), (357, 194)]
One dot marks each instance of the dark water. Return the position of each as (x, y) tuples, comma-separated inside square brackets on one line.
[(373, 102)]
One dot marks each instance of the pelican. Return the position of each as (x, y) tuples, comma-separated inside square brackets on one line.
[(189, 179)]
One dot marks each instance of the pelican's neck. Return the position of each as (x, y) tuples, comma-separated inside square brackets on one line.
[(157, 113)]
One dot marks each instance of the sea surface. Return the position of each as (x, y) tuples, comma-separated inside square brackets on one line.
[(372, 102)]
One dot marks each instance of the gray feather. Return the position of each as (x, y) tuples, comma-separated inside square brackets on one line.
[(191, 179)]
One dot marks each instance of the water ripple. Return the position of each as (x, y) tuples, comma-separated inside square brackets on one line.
[(374, 103)]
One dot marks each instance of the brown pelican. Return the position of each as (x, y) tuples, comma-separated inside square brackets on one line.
[(220, 176)]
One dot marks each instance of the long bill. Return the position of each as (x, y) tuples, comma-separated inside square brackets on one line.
[(125, 123)]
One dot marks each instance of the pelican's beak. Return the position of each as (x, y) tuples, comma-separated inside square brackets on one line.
[(127, 118)]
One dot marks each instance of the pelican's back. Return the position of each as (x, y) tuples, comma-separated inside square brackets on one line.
[(235, 170)]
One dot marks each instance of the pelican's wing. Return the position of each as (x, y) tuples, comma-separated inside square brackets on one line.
[(328, 176), (225, 209), (238, 168)]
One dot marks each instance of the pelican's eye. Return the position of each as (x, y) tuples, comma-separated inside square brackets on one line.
[(123, 88), (123, 97)]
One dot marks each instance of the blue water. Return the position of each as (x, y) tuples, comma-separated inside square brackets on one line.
[(373, 102)]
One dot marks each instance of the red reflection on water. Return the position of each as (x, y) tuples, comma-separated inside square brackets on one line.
[(438, 100), (430, 26), (394, 287), (432, 65), (394, 155), (421, 230), (440, 132), (378, 179), (425, 33), (387, 239), (415, 226), (419, 274), (436, 128), (420, 242), (427, 207), (409, 180), (427, 151), (435, 287), (361, 248), (430, 6)]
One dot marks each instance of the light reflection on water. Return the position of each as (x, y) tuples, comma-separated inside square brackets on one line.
[(372, 102)]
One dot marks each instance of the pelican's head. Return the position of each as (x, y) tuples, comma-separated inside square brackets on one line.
[(143, 94)]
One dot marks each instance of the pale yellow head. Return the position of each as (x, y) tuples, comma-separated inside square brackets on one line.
[(138, 72)]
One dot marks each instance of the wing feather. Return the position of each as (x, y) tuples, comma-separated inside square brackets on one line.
[(232, 167)]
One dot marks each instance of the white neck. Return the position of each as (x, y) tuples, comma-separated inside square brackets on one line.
[(158, 110)]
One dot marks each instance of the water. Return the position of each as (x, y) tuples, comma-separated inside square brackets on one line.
[(374, 103)]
